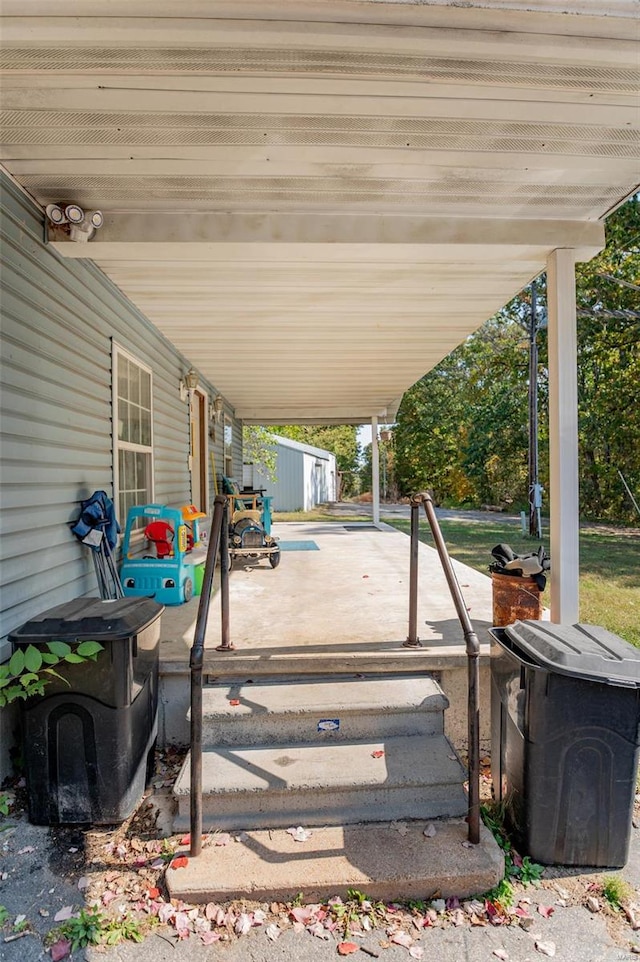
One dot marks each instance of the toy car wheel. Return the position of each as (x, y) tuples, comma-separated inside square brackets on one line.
[(274, 559), (188, 589)]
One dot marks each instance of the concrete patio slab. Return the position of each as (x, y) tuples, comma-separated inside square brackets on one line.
[(341, 609), (349, 597)]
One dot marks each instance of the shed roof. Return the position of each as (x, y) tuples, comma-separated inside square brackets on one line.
[(320, 453)]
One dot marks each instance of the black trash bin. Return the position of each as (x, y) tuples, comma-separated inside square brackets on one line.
[(565, 717), (87, 742)]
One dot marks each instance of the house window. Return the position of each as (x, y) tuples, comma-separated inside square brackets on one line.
[(133, 436), (228, 447)]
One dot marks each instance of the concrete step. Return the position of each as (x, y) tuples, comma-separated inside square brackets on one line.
[(374, 858), (329, 784), (321, 710)]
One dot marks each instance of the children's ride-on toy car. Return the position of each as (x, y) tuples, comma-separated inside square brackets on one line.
[(168, 574), (250, 525)]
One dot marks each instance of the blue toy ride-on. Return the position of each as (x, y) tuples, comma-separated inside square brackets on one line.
[(168, 573)]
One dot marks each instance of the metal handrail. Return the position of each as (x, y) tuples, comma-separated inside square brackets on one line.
[(472, 647), (196, 663)]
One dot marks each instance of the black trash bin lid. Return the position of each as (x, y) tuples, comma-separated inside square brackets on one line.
[(582, 651), (89, 619)]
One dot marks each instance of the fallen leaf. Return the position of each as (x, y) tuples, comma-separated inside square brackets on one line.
[(223, 839), (26, 850), (377, 754), (301, 913), (318, 931), (476, 920), (234, 701), (592, 904), (546, 948), (208, 938), (546, 911), (185, 840), (64, 914), (430, 830), (83, 882), (181, 862), (299, 834), (273, 932), (347, 948), (401, 938), (60, 950), (153, 893), (416, 952), (243, 924)]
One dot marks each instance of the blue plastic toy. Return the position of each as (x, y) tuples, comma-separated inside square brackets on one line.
[(167, 574)]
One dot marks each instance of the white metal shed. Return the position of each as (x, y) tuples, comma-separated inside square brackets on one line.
[(305, 476)]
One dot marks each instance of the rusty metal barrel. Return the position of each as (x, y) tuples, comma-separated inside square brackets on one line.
[(515, 599)]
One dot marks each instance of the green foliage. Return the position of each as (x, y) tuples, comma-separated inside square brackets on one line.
[(522, 870), (349, 914), (462, 429), (93, 927), (615, 891), (4, 914), (503, 894), (123, 929), (82, 930), (258, 449), (4, 804), (25, 674)]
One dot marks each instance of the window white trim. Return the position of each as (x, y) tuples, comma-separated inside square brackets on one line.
[(118, 352)]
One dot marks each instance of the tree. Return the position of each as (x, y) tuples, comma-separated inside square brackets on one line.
[(462, 429), (258, 449), (608, 303)]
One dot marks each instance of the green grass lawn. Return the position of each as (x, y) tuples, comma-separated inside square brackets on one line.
[(609, 566), (318, 515)]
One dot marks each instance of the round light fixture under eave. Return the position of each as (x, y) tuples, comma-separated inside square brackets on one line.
[(95, 218), (74, 214), (55, 214)]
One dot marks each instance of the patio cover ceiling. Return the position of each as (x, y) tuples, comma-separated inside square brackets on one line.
[(317, 200)]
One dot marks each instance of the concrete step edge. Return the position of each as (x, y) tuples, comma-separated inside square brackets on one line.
[(375, 858), (400, 760), (327, 696)]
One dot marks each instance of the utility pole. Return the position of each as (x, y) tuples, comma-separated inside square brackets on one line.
[(535, 490)]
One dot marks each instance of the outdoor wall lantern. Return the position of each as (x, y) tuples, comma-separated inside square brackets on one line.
[(218, 407), (189, 384)]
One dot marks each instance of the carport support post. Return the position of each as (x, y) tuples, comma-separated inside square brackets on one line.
[(563, 436), (375, 470)]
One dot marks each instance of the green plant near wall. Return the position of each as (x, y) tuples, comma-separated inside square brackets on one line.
[(25, 674)]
